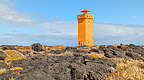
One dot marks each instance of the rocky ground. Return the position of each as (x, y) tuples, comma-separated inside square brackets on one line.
[(42, 62)]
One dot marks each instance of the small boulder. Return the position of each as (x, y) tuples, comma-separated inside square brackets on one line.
[(57, 51), (8, 47), (37, 47), (2, 55)]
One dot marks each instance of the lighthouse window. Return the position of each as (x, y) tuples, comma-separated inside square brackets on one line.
[(89, 22), (88, 42)]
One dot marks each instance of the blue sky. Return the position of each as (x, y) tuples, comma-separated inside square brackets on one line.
[(53, 22), (110, 11)]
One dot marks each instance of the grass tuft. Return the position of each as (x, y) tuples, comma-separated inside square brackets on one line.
[(95, 55), (16, 68), (11, 78), (13, 55), (2, 71), (67, 53), (127, 69), (58, 47)]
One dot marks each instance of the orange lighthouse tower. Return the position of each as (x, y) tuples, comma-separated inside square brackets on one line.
[(85, 29)]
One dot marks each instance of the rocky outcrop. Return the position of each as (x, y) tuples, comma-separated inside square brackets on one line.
[(37, 47), (8, 47), (62, 68), (122, 51), (46, 65)]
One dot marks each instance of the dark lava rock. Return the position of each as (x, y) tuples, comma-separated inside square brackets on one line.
[(2, 55), (37, 47), (8, 47), (142, 67), (130, 54), (43, 67), (132, 46), (77, 67), (113, 52), (134, 52), (25, 52), (95, 50), (57, 51), (75, 50), (71, 49), (134, 56)]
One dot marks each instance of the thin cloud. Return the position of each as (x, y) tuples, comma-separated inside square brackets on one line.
[(58, 28), (103, 34), (11, 16), (118, 31)]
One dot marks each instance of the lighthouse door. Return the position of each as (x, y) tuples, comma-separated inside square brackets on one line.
[(81, 43)]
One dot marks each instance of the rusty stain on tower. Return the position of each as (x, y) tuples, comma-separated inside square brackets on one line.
[(85, 29)]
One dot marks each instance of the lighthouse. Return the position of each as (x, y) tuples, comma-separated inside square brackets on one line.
[(85, 29)]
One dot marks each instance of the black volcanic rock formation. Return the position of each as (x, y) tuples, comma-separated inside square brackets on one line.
[(133, 51), (42, 66), (61, 68)]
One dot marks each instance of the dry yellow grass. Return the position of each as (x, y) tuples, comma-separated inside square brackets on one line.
[(127, 69), (125, 46), (24, 48), (58, 47), (13, 55), (8, 63), (115, 45), (95, 55), (1, 48), (31, 54), (96, 47), (16, 68), (16, 73), (45, 47), (11, 78), (2, 71), (67, 53)]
